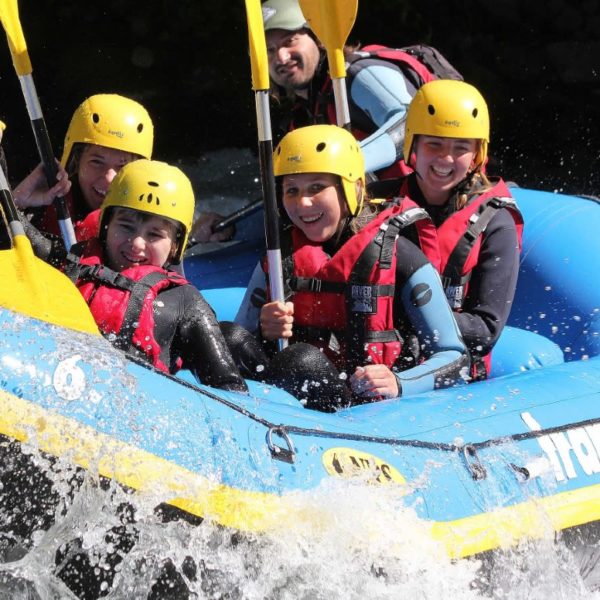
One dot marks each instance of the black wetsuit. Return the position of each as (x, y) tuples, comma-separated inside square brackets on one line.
[(185, 326)]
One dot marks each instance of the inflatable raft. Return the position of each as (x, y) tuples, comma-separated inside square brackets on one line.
[(484, 465)]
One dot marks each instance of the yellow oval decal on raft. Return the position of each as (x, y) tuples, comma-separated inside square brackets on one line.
[(348, 462)]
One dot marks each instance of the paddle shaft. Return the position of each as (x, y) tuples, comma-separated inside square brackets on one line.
[(260, 84), (44, 146), (342, 110), (8, 207), (236, 216), (273, 240), (9, 15)]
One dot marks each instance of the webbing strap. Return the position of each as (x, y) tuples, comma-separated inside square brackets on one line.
[(131, 318), (477, 225)]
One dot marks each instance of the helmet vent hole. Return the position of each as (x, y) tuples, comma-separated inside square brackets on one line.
[(431, 109), (153, 183), (149, 199), (321, 146), (140, 127), (279, 151), (96, 118), (474, 113)]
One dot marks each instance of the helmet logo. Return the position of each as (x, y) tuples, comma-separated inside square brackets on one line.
[(294, 158), (119, 134), (454, 123)]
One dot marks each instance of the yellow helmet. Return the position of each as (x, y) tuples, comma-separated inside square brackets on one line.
[(323, 149), (448, 108), (153, 187), (113, 121)]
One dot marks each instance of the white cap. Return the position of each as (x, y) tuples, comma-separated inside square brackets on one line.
[(283, 14)]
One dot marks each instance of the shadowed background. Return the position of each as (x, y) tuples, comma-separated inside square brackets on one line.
[(537, 64)]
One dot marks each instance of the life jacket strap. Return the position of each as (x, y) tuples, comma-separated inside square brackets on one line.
[(478, 223), (135, 305)]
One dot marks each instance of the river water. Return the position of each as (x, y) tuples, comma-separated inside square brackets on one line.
[(368, 544)]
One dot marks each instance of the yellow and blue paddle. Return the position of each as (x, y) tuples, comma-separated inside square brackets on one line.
[(332, 21), (260, 84), (9, 15)]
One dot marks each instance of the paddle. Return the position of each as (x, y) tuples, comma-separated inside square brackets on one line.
[(29, 285), (260, 85), (237, 215), (9, 15), (332, 21)]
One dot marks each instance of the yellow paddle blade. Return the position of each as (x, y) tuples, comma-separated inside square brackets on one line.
[(332, 21), (258, 46), (34, 288), (9, 15)]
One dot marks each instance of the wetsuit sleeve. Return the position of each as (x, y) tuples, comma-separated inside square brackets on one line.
[(382, 93), (420, 300), (248, 315), (492, 286), (203, 347)]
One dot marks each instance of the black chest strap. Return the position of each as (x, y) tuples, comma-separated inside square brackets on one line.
[(478, 222)]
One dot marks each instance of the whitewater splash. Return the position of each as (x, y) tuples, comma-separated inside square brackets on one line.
[(105, 541)]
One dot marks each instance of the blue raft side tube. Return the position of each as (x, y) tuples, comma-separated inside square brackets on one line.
[(558, 294)]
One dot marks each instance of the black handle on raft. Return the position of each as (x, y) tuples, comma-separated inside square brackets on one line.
[(236, 216)]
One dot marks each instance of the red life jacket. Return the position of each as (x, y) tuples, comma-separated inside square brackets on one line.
[(85, 228), (88, 228), (344, 303), (123, 303), (460, 236)]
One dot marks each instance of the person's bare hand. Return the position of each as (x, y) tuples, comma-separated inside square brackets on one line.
[(33, 190), (202, 229), (374, 380), (276, 320)]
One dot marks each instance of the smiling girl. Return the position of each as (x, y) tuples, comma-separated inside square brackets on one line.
[(354, 285), (479, 226), (106, 132)]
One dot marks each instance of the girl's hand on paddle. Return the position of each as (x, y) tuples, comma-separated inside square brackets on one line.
[(202, 229), (276, 320), (374, 380), (33, 190)]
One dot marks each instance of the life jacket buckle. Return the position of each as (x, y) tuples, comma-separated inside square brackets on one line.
[(315, 285)]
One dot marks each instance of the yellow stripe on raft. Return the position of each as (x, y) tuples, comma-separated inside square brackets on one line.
[(136, 468), (504, 527), (259, 511)]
